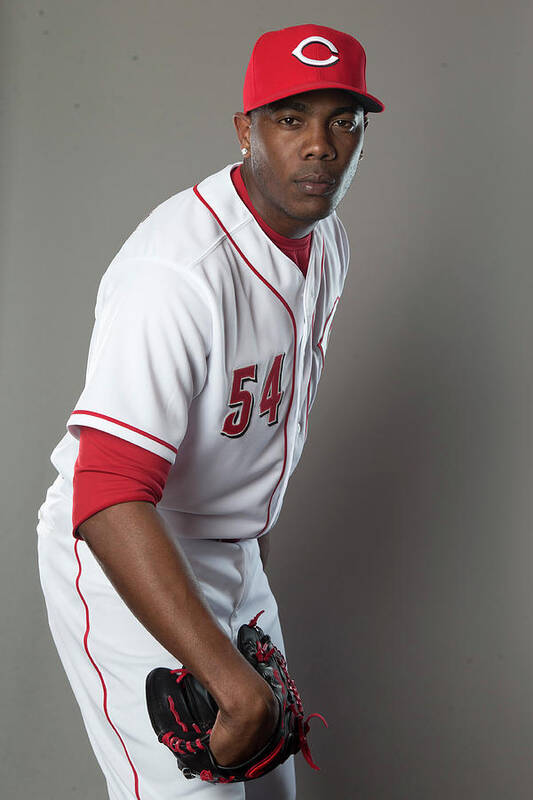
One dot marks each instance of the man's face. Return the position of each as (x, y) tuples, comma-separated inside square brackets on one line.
[(304, 152)]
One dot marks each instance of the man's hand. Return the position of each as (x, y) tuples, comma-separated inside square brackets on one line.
[(220, 747), (240, 733)]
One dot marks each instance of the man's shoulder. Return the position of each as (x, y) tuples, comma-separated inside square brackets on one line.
[(335, 237), (332, 227), (181, 229)]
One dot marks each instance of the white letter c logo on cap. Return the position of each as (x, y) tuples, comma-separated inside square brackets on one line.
[(314, 62)]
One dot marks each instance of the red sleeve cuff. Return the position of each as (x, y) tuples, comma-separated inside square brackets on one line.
[(110, 470)]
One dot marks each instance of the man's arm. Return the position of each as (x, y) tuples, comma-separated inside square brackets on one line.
[(147, 569)]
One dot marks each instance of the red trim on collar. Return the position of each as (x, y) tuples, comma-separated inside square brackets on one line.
[(298, 250)]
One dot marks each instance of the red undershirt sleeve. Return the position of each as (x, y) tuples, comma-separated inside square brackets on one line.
[(111, 470)]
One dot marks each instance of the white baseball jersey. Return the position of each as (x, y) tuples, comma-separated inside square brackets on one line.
[(207, 349)]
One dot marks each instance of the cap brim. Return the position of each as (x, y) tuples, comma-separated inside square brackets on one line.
[(368, 101)]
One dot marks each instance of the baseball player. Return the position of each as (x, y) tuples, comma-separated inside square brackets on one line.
[(210, 335)]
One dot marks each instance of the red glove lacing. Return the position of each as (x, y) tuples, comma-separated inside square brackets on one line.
[(264, 653)]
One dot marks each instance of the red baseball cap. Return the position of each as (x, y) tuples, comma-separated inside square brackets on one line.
[(302, 58)]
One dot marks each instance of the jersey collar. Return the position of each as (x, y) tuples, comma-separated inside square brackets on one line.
[(277, 268)]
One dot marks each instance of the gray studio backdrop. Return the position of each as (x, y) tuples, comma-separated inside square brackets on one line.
[(403, 559)]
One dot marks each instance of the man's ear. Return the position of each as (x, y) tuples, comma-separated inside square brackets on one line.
[(242, 124)]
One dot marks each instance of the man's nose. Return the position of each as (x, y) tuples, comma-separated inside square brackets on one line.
[(318, 142)]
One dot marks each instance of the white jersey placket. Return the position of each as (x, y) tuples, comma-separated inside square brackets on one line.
[(303, 308)]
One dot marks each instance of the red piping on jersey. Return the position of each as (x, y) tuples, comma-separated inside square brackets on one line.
[(310, 373), (289, 310), (102, 681), (312, 331), (125, 425), (319, 345)]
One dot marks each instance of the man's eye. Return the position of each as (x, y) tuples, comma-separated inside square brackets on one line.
[(346, 124), (288, 121)]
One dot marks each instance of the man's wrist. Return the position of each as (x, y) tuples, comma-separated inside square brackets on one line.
[(244, 693)]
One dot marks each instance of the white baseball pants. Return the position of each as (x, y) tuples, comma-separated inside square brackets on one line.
[(107, 654)]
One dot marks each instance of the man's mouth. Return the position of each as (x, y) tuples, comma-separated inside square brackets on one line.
[(316, 183)]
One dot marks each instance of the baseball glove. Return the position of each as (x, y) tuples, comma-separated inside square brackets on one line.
[(183, 712)]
